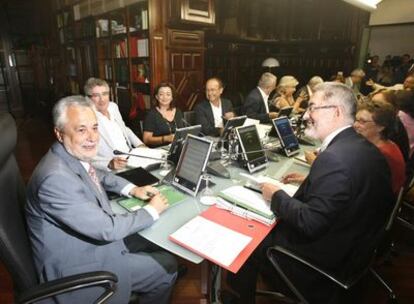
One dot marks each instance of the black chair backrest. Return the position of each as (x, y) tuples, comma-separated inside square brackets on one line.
[(15, 250), (190, 117)]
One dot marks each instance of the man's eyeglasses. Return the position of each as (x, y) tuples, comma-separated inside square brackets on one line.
[(97, 95), (313, 108)]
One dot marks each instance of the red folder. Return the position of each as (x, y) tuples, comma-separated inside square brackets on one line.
[(256, 230)]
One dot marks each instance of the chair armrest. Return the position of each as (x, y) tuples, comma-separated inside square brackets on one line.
[(306, 263), (104, 279)]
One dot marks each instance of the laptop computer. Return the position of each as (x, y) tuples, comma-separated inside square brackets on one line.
[(254, 157)]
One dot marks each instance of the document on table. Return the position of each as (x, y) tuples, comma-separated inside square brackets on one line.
[(211, 240), (134, 161)]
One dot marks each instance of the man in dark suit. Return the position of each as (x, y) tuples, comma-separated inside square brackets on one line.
[(256, 103), (212, 113), (71, 225), (339, 209)]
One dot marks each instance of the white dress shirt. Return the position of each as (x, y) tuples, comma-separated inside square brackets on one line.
[(265, 98), (218, 115)]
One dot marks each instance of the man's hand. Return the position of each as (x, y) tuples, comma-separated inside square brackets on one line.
[(159, 202), (144, 193), (268, 190), (228, 115), (118, 163), (273, 115), (293, 178), (370, 83), (310, 156)]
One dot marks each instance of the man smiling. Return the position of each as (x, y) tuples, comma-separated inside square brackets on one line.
[(71, 225), (337, 212)]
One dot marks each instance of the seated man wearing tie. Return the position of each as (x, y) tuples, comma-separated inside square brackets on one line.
[(338, 212), (70, 222), (211, 113), (114, 134), (256, 103)]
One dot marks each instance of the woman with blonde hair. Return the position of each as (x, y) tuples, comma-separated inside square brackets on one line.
[(285, 89)]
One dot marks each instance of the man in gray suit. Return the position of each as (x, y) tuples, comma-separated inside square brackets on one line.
[(71, 225)]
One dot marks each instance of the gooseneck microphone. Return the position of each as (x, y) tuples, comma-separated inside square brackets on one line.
[(117, 152)]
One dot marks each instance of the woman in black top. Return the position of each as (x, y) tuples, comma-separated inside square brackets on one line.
[(163, 119)]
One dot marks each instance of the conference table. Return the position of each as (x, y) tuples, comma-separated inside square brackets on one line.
[(179, 214)]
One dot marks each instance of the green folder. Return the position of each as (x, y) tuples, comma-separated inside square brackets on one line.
[(173, 196)]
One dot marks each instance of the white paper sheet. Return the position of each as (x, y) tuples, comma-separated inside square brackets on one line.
[(212, 240)]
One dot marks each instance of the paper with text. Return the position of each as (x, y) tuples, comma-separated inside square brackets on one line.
[(211, 240)]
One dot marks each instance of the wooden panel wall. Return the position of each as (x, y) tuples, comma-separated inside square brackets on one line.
[(308, 37)]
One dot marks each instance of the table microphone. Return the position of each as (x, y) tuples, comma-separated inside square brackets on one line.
[(117, 152)]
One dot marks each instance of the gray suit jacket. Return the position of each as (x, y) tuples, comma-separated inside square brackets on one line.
[(72, 227), (106, 146)]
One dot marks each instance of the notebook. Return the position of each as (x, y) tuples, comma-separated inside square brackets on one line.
[(133, 204)]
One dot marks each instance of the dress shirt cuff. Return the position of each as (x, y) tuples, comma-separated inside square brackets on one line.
[(127, 189), (151, 210)]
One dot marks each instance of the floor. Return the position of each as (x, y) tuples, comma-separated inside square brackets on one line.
[(35, 137)]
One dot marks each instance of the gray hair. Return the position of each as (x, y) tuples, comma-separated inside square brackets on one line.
[(94, 82), (341, 95), (60, 109), (267, 80), (314, 81), (358, 73)]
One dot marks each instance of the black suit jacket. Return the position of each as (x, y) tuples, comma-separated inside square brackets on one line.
[(205, 118), (254, 106), (335, 216)]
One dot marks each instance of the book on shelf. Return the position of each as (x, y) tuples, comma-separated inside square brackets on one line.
[(133, 46), (121, 72), (120, 48), (144, 19), (173, 196), (142, 46)]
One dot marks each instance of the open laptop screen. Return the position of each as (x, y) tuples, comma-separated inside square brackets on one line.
[(287, 137), (251, 147), (192, 163)]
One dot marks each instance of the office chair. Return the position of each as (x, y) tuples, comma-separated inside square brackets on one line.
[(346, 283), (190, 118), (15, 250), (405, 218)]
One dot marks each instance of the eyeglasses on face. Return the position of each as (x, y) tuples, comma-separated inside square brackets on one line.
[(313, 108), (97, 95)]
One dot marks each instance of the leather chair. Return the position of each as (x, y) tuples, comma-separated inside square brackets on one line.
[(190, 118), (15, 249), (344, 282)]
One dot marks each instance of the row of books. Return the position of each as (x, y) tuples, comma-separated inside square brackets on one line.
[(120, 49), (138, 47), (105, 70)]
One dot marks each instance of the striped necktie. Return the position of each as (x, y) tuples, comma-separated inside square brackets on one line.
[(94, 177)]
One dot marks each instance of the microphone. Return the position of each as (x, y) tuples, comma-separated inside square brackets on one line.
[(117, 152)]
